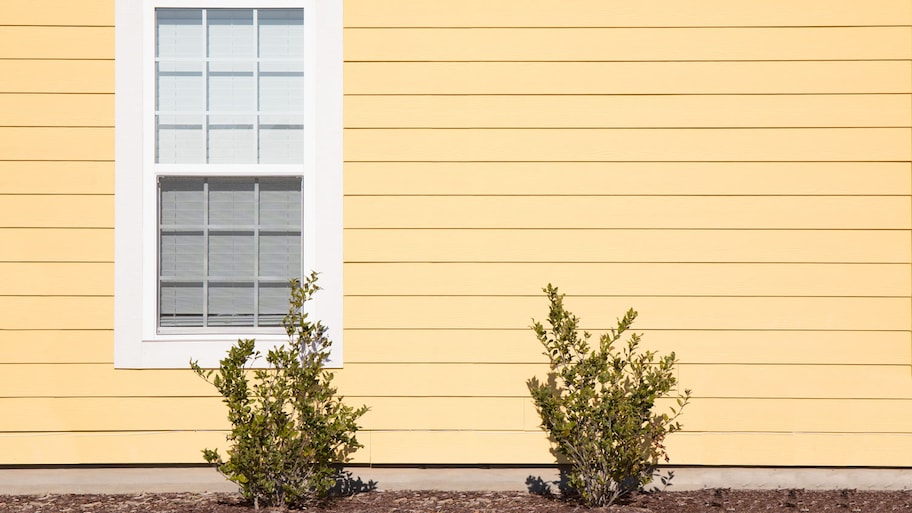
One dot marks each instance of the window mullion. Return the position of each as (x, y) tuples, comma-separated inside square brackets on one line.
[(206, 252), (256, 182), (158, 250), (256, 252), (205, 86), (256, 83)]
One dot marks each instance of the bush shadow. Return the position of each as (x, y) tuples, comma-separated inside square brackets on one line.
[(559, 489), (660, 481), (347, 485)]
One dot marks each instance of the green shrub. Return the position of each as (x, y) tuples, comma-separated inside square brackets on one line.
[(597, 404), (288, 426)]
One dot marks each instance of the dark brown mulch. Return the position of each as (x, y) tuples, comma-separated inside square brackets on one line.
[(702, 501)]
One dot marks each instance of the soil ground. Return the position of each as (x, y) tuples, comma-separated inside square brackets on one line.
[(702, 501)]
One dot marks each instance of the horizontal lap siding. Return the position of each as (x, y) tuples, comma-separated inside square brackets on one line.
[(623, 145), (683, 313), (59, 13), (478, 380), (635, 78), (715, 448), (529, 447), (57, 177), (31, 76), (738, 172), (489, 346), (637, 212), (601, 279), (48, 345), (82, 414), (107, 447), (628, 44), (56, 257), (805, 245), (514, 279), (647, 13), (619, 112), (56, 42)]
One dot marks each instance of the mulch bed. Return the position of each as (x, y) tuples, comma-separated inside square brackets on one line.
[(702, 501)]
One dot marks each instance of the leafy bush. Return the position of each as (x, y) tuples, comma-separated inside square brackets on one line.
[(597, 404), (288, 426)]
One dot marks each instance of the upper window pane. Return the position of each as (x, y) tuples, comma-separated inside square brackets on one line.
[(230, 34), (179, 34), (281, 34), (229, 86)]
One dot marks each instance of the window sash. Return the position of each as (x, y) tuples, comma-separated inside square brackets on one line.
[(227, 248), (230, 86), (229, 99)]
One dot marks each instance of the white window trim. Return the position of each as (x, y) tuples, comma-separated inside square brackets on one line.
[(136, 341)]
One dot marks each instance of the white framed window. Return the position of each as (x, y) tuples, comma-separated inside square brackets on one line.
[(228, 167)]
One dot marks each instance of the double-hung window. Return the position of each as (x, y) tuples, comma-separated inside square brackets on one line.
[(228, 173)]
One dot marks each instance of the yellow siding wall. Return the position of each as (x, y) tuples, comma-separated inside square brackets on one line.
[(739, 172)]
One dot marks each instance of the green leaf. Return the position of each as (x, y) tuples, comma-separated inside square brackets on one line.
[(597, 405), (288, 427)]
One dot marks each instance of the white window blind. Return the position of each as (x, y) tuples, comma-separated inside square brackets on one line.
[(229, 90), (229, 86), (228, 247)]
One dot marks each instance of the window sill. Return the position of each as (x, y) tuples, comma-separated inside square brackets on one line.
[(171, 351)]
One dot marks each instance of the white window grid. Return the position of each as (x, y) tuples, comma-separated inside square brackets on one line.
[(254, 64), (306, 170)]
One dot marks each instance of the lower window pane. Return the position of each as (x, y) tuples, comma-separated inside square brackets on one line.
[(181, 255), (273, 304), (181, 305), (278, 258), (231, 255), (231, 304), (227, 248)]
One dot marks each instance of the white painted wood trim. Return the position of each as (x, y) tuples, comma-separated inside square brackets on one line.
[(136, 341)]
